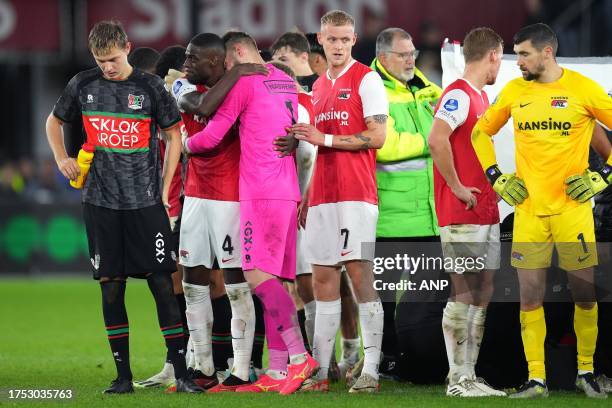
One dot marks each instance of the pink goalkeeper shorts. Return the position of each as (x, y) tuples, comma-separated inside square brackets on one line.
[(268, 230)]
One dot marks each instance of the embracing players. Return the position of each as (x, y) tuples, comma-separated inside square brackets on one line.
[(210, 219), (269, 192)]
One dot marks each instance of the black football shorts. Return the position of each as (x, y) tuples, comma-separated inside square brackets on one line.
[(129, 243)]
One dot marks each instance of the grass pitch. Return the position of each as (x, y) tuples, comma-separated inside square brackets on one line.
[(54, 338)]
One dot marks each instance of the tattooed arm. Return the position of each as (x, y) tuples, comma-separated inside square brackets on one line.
[(371, 138)]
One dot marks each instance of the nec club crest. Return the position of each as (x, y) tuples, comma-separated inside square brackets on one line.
[(135, 101)]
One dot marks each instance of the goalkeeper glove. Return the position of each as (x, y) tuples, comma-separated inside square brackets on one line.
[(582, 187), (509, 187)]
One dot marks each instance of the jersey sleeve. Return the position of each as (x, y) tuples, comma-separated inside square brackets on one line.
[(182, 87), (598, 103), (234, 103), (498, 113), (303, 115), (454, 108), (373, 95), (67, 108), (166, 112)]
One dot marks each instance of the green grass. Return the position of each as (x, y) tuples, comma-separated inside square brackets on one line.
[(53, 338)]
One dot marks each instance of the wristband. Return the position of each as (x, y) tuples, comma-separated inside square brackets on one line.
[(493, 173), (329, 140)]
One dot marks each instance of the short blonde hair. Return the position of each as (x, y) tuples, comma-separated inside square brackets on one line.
[(337, 18), (105, 35)]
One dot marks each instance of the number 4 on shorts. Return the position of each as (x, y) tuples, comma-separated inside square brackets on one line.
[(227, 245)]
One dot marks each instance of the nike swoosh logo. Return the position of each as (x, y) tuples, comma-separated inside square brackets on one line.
[(478, 116), (226, 260), (522, 105), (582, 259), (461, 342), (344, 253)]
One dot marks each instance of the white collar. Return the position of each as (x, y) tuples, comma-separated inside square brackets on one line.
[(472, 86)]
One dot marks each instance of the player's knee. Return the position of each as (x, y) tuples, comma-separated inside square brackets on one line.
[(233, 276), (586, 295), (363, 289), (198, 275), (485, 292), (112, 290), (586, 305), (160, 282), (177, 285), (532, 295), (304, 288)]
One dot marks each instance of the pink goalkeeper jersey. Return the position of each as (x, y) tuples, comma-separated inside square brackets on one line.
[(266, 106)]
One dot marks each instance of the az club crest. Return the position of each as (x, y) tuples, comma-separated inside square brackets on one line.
[(135, 101), (344, 94)]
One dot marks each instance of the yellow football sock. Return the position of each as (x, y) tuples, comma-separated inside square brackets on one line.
[(533, 333), (585, 326)]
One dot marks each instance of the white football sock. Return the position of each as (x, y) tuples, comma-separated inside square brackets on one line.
[(327, 323), (276, 374), (350, 351), (455, 329), (476, 323), (199, 315), (190, 355), (310, 311), (372, 320), (243, 327)]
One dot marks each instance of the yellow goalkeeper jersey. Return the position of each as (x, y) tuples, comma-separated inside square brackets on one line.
[(553, 125)]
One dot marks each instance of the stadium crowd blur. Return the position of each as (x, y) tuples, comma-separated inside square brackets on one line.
[(37, 180)]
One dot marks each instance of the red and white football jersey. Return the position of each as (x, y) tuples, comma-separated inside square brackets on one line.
[(460, 107), (212, 175), (306, 152), (340, 108)]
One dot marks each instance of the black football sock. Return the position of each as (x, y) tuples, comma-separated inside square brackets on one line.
[(180, 298), (169, 318), (260, 334), (301, 314), (222, 332), (117, 326)]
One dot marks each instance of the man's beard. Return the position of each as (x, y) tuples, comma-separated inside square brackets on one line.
[(533, 76), (407, 76)]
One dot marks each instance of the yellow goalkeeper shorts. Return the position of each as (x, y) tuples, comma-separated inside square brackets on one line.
[(572, 233)]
